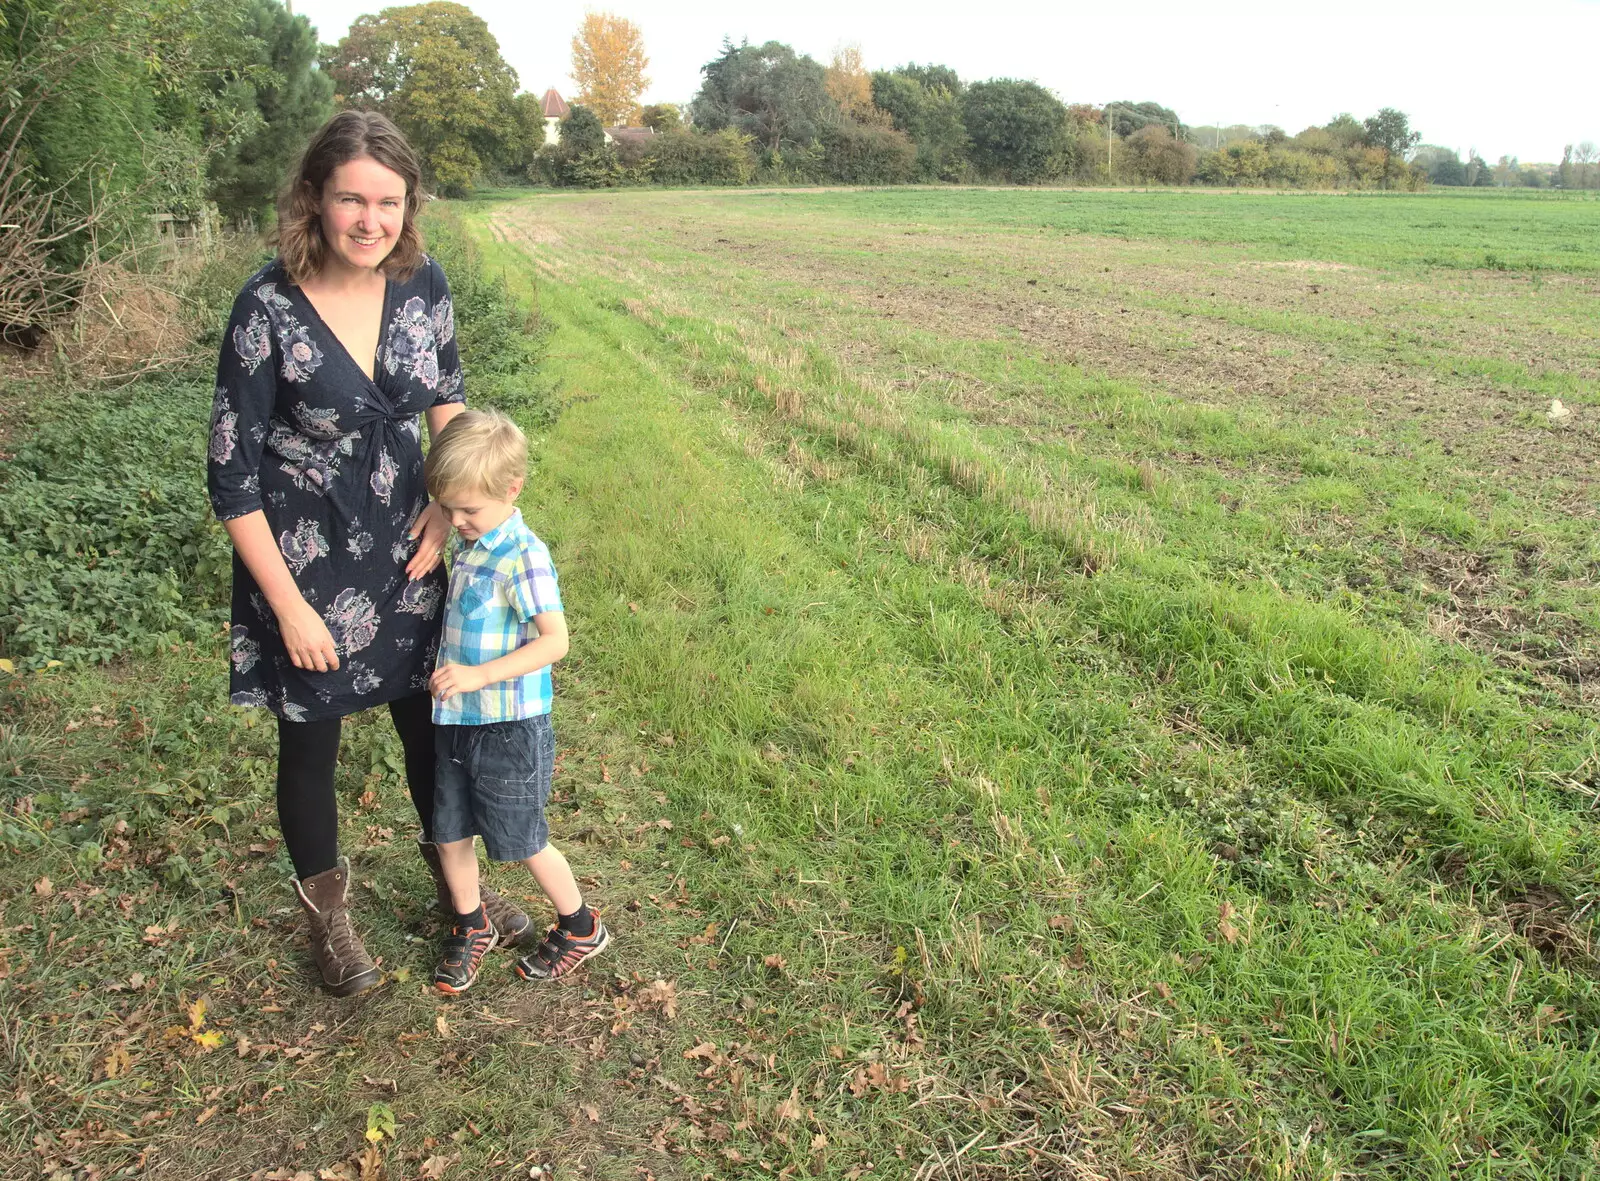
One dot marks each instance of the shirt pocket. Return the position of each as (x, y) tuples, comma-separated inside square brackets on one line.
[(476, 599)]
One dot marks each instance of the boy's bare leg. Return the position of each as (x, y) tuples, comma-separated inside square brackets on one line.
[(459, 860), (554, 875)]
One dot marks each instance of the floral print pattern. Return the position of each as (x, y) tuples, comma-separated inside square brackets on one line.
[(253, 342), (245, 650), (304, 546), (301, 356), (224, 428), (333, 459), (383, 478), (352, 622), (420, 598)]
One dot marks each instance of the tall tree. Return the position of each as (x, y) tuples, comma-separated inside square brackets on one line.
[(436, 70), (1391, 130), (608, 64), (661, 117), (1126, 118), (290, 94), (848, 84), (1018, 130), (766, 91), (924, 102)]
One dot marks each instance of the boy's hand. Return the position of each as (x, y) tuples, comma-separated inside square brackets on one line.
[(450, 679)]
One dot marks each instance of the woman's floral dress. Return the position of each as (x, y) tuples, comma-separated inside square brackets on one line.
[(334, 460)]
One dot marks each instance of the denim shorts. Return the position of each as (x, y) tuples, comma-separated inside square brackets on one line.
[(493, 781)]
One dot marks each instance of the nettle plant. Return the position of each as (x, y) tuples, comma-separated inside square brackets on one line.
[(106, 545)]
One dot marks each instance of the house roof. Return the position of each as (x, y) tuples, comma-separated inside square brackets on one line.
[(555, 107), (630, 133)]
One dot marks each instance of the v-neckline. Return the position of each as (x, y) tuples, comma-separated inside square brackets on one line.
[(377, 348)]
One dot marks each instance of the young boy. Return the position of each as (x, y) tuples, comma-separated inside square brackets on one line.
[(503, 629)]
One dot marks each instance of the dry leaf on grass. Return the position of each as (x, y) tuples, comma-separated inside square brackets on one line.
[(591, 1113), (790, 1108), (435, 1166), (1225, 926), (441, 1026)]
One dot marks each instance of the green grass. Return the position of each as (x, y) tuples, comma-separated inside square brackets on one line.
[(1032, 738)]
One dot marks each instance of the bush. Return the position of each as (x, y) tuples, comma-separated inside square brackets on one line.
[(502, 346), (698, 158), (861, 154), (106, 546)]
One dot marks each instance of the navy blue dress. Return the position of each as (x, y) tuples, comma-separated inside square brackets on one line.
[(334, 460)]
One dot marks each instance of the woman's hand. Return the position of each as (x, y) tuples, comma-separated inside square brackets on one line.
[(306, 636), (429, 531)]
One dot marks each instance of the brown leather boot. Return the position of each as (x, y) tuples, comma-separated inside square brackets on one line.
[(511, 923), (345, 966)]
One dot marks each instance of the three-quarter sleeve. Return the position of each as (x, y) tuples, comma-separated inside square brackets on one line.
[(450, 388), (241, 409)]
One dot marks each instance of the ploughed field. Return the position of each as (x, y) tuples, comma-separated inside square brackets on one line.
[(1090, 685)]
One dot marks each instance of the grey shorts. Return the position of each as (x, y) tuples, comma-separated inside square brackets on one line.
[(494, 781)]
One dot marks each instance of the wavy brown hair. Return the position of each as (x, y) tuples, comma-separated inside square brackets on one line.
[(348, 136)]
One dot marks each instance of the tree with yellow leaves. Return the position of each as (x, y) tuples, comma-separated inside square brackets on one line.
[(847, 82), (608, 64)]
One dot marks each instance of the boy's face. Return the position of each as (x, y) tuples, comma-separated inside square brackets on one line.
[(472, 512)]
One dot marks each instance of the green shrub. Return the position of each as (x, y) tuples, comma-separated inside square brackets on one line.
[(502, 346), (699, 158), (861, 154), (106, 545)]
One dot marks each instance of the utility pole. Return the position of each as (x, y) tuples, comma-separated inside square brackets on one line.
[(1111, 133)]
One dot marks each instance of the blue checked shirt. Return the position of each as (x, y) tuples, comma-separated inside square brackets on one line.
[(497, 585)]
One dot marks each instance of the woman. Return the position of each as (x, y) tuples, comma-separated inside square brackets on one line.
[(334, 349)]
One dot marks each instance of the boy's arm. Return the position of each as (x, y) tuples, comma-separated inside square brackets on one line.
[(550, 647)]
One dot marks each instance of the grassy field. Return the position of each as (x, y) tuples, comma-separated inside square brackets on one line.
[(1064, 685)]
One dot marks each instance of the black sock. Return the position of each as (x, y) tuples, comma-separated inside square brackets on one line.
[(580, 922), (473, 920)]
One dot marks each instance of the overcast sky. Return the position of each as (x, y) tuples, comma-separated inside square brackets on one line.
[(1506, 78)]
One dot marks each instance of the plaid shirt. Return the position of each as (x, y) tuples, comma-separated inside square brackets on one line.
[(497, 585)]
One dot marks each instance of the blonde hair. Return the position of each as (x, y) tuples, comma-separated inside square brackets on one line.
[(348, 136), (478, 451)]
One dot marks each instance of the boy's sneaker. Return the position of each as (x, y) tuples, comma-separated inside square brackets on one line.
[(463, 952), (562, 951)]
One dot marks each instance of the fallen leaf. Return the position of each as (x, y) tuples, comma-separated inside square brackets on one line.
[(117, 1062), (703, 1050), (1225, 927), (383, 1084), (44, 887), (210, 1039), (776, 962), (818, 1142), (197, 1013), (662, 993), (434, 1167), (1558, 411), (207, 1114), (441, 1025), (790, 1108), (591, 1112)]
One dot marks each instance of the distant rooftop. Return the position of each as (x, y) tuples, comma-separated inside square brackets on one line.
[(555, 107)]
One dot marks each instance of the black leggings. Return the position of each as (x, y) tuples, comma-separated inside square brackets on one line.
[(308, 814)]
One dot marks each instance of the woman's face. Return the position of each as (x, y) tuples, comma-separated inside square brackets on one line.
[(363, 212)]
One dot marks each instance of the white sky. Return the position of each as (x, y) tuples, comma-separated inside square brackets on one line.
[(1506, 78)]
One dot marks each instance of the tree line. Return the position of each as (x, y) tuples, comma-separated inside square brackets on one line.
[(112, 111)]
